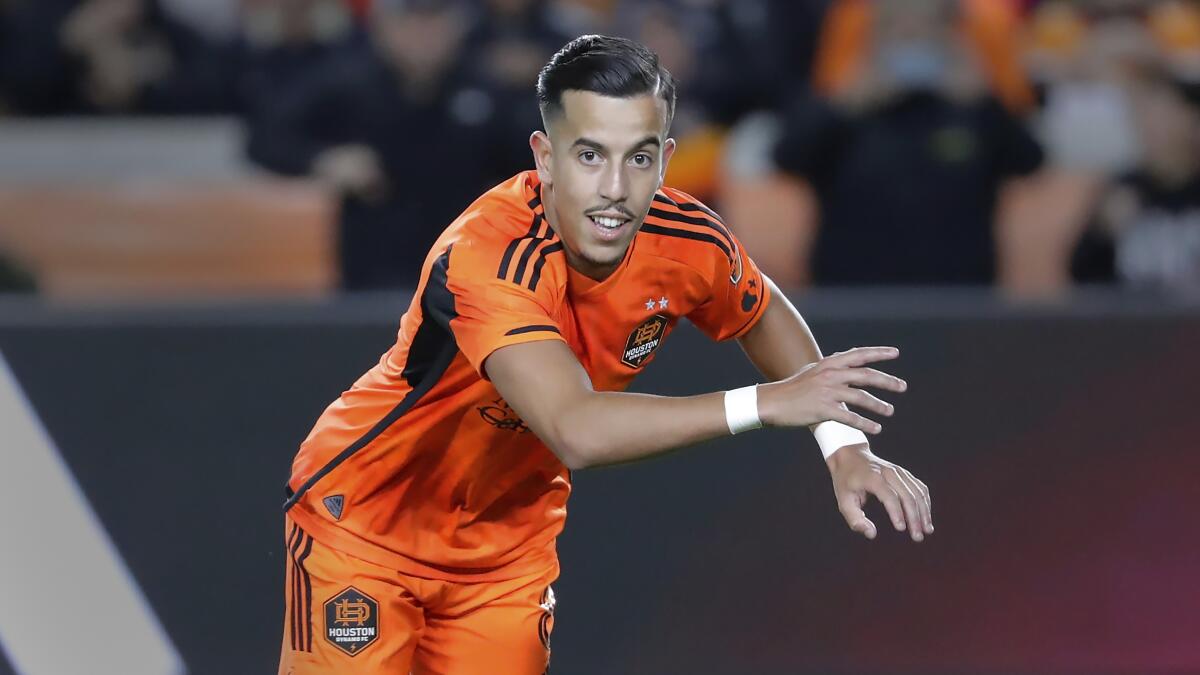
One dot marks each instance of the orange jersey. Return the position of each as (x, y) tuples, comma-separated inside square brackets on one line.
[(421, 466)]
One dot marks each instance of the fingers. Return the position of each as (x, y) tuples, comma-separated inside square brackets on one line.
[(923, 500), (865, 400), (853, 419), (869, 377), (860, 356), (913, 514), (887, 496), (850, 504)]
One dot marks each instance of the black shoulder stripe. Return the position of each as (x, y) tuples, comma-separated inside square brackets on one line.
[(689, 234), (540, 328), (422, 373), (688, 206), (697, 220), (502, 272), (541, 262), (533, 244)]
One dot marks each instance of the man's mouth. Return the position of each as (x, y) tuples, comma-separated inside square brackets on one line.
[(608, 227), (609, 222)]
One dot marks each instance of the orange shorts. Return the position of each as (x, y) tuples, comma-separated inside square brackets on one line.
[(345, 615)]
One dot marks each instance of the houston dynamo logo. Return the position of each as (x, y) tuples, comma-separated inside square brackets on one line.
[(351, 621), (644, 340)]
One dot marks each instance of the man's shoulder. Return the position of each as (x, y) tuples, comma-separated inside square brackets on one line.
[(682, 228), (504, 234), (504, 212), (683, 201)]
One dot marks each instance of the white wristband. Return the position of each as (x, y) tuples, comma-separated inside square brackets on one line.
[(741, 409), (832, 436)]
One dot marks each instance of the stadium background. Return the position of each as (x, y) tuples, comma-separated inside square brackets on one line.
[(210, 213)]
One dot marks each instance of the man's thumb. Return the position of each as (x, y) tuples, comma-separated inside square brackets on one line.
[(864, 526), (851, 509)]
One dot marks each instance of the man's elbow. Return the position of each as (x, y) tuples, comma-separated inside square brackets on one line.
[(577, 449)]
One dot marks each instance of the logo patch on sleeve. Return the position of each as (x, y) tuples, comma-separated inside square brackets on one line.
[(351, 621), (644, 341), (334, 504), (749, 299)]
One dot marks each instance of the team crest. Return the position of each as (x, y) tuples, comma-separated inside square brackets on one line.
[(351, 621), (644, 341)]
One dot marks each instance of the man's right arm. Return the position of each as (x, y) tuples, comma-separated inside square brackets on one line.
[(548, 387)]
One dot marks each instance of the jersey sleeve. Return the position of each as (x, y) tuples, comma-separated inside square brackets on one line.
[(737, 297), (492, 311)]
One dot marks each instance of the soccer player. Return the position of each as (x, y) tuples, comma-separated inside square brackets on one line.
[(423, 507)]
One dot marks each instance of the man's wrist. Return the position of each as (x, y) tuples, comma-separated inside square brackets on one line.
[(832, 436), (741, 410)]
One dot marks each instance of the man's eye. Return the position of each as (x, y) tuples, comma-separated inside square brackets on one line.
[(588, 156), (642, 160)]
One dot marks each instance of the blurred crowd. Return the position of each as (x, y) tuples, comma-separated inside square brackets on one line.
[(1031, 144)]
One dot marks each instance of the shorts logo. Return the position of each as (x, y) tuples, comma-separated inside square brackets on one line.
[(644, 340), (334, 504), (351, 621)]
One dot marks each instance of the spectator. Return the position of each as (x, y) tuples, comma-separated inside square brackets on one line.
[(683, 38), (764, 50), (505, 49), (1146, 232), (282, 42), (908, 160), (1082, 60), (1085, 121), (985, 31), (398, 131), (108, 56)]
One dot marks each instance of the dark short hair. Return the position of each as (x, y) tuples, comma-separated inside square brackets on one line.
[(602, 64)]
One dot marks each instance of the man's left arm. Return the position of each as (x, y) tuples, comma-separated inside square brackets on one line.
[(780, 345)]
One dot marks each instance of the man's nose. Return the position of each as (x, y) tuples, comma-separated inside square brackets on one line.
[(615, 185)]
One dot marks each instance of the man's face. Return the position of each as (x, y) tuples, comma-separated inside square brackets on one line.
[(602, 162)]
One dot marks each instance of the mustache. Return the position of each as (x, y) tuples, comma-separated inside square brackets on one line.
[(614, 208)]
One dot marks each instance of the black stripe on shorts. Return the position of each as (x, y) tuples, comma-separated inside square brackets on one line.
[(306, 606)]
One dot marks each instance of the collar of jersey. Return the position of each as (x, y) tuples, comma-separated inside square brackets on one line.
[(597, 287)]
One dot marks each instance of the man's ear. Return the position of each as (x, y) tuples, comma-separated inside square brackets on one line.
[(543, 156), (667, 151)]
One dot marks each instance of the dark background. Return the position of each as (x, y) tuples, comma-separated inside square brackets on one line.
[(1059, 445)]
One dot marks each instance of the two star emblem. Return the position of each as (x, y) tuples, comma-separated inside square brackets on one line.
[(662, 303)]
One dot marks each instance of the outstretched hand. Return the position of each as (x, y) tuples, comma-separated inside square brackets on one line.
[(822, 391), (857, 472)]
